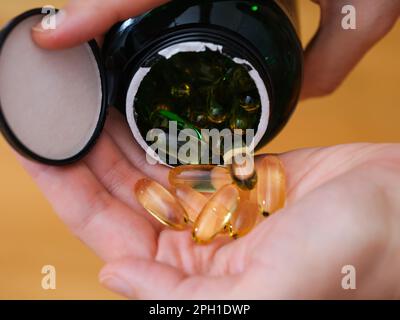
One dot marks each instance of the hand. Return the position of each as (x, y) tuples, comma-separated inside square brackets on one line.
[(334, 52), (343, 203), (343, 209), (329, 57)]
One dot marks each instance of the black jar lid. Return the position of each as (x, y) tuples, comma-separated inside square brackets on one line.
[(52, 103)]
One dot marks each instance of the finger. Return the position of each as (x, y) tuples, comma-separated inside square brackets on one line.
[(334, 51), (347, 221), (81, 21), (143, 279), (140, 279), (105, 224), (307, 169), (284, 237), (177, 249), (122, 136), (115, 172)]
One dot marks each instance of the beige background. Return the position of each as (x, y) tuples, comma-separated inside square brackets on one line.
[(365, 108)]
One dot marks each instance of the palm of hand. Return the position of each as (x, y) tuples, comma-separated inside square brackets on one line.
[(342, 206)]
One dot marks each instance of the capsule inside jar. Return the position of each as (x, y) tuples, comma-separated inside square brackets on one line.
[(216, 214)]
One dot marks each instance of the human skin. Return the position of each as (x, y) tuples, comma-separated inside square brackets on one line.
[(329, 57), (343, 209), (343, 202)]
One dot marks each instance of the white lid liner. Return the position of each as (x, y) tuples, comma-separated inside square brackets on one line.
[(194, 46), (51, 100)]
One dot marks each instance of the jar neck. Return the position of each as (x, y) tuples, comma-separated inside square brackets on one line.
[(198, 40)]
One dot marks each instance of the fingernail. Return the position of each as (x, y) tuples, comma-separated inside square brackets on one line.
[(117, 285), (50, 22)]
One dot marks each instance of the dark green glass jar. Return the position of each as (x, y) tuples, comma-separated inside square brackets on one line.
[(206, 64)]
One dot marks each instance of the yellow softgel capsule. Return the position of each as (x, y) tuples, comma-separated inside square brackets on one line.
[(161, 204), (244, 219), (216, 214), (191, 200), (216, 112), (249, 103), (271, 188), (202, 178), (238, 122), (220, 177), (243, 171), (182, 90)]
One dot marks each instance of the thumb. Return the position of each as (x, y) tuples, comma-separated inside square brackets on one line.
[(140, 279), (335, 51), (81, 21)]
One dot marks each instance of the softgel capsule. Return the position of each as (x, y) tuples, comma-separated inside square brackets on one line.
[(216, 200)]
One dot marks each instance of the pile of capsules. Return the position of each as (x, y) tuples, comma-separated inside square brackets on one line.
[(198, 90), (216, 200)]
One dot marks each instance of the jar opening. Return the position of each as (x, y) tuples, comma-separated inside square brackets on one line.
[(198, 86)]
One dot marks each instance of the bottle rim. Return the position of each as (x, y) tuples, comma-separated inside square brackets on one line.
[(196, 39)]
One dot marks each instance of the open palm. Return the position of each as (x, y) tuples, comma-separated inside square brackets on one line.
[(343, 209)]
